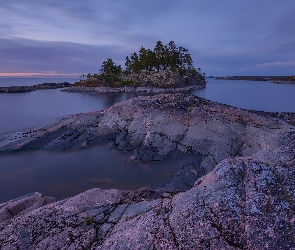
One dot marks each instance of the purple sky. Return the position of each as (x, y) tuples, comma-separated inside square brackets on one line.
[(72, 37)]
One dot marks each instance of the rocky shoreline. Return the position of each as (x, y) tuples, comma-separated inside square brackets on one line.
[(242, 196), (103, 90), (152, 82), (21, 89)]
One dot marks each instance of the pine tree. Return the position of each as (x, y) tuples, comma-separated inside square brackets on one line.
[(110, 72)]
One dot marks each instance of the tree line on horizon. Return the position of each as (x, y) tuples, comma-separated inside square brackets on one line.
[(162, 57)]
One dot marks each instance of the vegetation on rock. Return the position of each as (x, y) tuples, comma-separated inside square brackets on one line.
[(168, 58)]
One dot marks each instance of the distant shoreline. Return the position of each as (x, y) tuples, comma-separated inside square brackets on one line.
[(274, 79), (22, 89)]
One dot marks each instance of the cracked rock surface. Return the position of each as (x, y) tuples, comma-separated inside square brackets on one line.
[(245, 198)]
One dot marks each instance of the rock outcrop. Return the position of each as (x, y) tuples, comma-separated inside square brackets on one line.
[(152, 128), (165, 79), (153, 82), (245, 198), (129, 89), (21, 89), (23, 205)]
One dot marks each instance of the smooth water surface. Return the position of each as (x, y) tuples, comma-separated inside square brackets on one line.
[(253, 95), (67, 172), (23, 111)]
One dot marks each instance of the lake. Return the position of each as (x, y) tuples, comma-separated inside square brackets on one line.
[(30, 81), (255, 95), (65, 173)]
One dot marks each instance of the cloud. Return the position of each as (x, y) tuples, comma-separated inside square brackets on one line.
[(24, 55), (96, 21), (272, 65), (270, 68), (222, 36)]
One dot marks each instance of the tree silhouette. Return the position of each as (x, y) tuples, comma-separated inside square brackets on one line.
[(161, 57), (110, 71)]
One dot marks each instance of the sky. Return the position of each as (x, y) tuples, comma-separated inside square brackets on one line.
[(67, 38)]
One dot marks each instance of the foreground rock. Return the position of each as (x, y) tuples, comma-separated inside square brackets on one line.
[(242, 204), (20, 89), (23, 205), (245, 199)]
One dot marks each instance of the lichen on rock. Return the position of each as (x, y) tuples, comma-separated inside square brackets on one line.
[(242, 198)]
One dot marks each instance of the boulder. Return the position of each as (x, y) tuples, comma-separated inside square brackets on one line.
[(23, 205)]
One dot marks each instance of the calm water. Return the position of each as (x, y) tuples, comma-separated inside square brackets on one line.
[(65, 173), (22, 111), (253, 95), (68, 172), (28, 81)]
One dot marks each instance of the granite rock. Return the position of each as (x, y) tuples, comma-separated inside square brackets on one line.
[(23, 205), (243, 198), (242, 204)]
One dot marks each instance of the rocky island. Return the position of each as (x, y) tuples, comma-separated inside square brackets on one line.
[(241, 196), (21, 89), (150, 82), (166, 68)]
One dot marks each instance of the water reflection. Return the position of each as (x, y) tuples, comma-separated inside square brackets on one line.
[(68, 172), (23, 111), (253, 95)]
